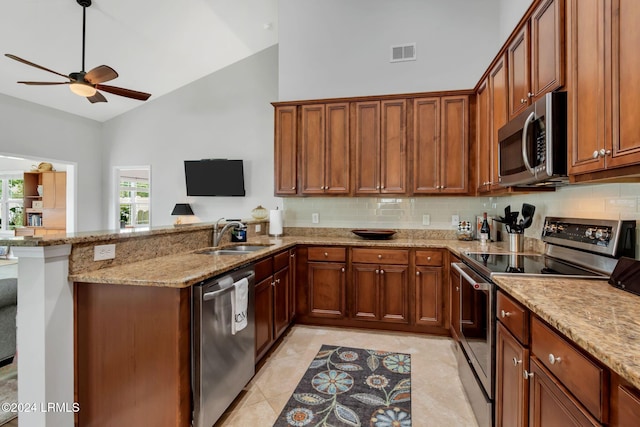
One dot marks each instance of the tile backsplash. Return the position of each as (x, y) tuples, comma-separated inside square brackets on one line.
[(600, 201)]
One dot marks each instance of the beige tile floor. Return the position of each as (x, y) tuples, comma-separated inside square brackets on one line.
[(437, 395)]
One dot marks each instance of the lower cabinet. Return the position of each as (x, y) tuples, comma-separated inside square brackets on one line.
[(512, 390), (625, 403), (326, 282), (273, 294), (380, 285), (431, 292)]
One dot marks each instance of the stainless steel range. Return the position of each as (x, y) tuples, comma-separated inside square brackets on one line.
[(577, 248)]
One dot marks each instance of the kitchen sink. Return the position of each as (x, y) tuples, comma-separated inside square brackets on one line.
[(234, 250)]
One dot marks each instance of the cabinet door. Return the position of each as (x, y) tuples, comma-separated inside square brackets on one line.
[(312, 148), (550, 404), (326, 289), (365, 291), (292, 284), (394, 298), (367, 147), (426, 138), (286, 153), (499, 110), (429, 297), (393, 147), (337, 149), (483, 136), (586, 130), (512, 390), (547, 47), (454, 287), (454, 144), (264, 316), (519, 66), (281, 301), (54, 199), (625, 83)]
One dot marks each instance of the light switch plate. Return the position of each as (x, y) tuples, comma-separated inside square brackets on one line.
[(315, 218), (102, 252), (426, 219)]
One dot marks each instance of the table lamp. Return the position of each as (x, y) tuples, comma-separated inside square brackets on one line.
[(181, 209)]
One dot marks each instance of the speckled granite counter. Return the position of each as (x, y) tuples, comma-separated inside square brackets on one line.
[(601, 319)]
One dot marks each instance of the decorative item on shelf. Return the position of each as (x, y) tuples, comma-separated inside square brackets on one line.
[(42, 167), (260, 213), (180, 210), (37, 204), (40, 189), (465, 230)]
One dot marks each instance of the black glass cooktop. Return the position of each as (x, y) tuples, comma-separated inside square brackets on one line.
[(492, 264)]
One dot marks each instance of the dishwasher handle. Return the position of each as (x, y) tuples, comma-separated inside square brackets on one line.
[(227, 284)]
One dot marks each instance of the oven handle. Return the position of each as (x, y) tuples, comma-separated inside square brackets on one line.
[(525, 142), (476, 281)]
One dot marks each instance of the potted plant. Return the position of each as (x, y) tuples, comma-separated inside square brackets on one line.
[(124, 216)]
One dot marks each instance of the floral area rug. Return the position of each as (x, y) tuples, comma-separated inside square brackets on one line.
[(352, 387)]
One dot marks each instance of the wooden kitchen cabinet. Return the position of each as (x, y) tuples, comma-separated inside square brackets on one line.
[(440, 145), (325, 148), (536, 56), (380, 147), (52, 215), (380, 285), (286, 151), (603, 133), (431, 293), (625, 403), (326, 289), (273, 295), (512, 389)]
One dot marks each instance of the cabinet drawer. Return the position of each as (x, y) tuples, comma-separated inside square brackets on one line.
[(380, 256), (430, 258), (579, 374), (263, 269), (280, 260), (514, 316), (326, 253)]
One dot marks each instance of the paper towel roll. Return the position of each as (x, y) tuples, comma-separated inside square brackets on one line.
[(275, 222)]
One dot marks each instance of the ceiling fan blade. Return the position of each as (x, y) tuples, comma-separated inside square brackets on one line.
[(102, 73), (44, 83), (98, 97), (24, 61), (141, 96)]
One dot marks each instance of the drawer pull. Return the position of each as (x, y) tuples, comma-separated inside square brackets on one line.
[(381, 271), (342, 269), (516, 361), (377, 271), (428, 258), (554, 359), (379, 256), (326, 254), (504, 314), (526, 374), (417, 273)]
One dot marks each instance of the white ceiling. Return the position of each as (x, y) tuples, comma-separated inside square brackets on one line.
[(156, 46)]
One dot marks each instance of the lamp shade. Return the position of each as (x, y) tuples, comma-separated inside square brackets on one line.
[(182, 209)]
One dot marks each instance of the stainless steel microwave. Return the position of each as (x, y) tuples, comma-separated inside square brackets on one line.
[(532, 148)]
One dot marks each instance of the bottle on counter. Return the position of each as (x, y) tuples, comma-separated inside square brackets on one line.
[(484, 229)]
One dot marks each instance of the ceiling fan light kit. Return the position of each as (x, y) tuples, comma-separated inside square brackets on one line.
[(87, 83)]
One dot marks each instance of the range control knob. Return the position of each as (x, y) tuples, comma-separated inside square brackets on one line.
[(602, 234), (589, 233)]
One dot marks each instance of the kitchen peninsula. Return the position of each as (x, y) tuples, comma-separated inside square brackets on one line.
[(168, 260)]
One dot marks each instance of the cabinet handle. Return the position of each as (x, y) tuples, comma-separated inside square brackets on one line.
[(457, 288), (428, 258), (381, 271), (377, 187), (596, 154), (527, 374), (604, 152), (342, 269), (523, 101), (417, 273), (273, 284), (516, 361), (554, 359), (293, 188), (382, 187), (326, 254), (504, 314), (293, 255), (530, 95), (379, 256), (377, 271)]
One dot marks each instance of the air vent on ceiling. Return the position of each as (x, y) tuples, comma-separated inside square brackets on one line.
[(405, 52)]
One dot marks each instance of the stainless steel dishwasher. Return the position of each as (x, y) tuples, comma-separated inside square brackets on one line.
[(222, 363)]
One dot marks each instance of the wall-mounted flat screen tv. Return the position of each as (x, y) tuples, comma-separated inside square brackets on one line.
[(214, 177)]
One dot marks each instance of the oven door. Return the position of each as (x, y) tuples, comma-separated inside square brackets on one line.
[(477, 324)]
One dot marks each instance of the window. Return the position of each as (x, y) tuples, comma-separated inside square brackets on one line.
[(134, 201), (11, 204)]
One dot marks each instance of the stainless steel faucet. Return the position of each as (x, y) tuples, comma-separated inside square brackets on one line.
[(217, 235)]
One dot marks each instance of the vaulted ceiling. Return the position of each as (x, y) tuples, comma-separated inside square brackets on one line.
[(155, 46)]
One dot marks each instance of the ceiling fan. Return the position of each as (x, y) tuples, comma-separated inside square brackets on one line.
[(86, 83)]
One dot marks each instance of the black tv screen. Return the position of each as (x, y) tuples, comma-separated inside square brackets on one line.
[(214, 177)]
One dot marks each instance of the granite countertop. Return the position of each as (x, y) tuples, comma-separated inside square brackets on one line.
[(184, 270), (596, 316)]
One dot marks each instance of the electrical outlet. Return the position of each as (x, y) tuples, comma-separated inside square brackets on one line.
[(426, 219), (455, 219), (258, 228), (102, 252), (315, 218)]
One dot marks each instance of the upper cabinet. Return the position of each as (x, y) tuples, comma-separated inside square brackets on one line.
[(536, 56), (324, 149), (380, 147), (603, 82), (286, 151)]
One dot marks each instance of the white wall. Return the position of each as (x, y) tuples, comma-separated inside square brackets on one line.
[(32, 131), (224, 115), (511, 11), (336, 48)]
